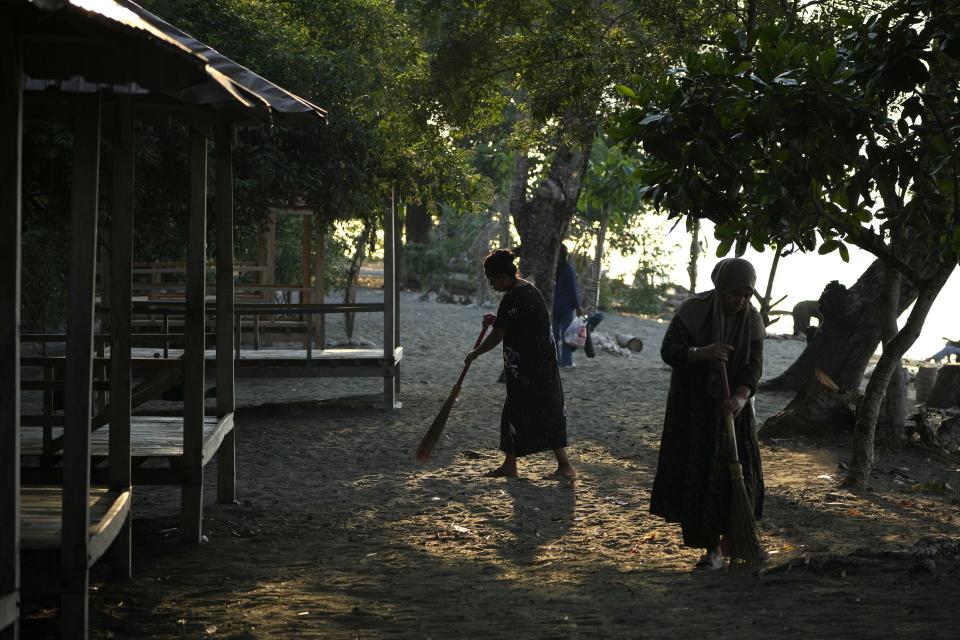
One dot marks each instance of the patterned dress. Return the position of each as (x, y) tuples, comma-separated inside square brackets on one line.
[(534, 416), (692, 485)]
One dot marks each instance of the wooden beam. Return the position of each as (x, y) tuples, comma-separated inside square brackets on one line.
[(11, 142), (226, 454), (78, 368), (319, 284), (121, 265), (191, 498), (389, 302)]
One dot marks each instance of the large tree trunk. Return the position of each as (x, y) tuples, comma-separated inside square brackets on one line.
[(542, 218), (821, 409), (848, 335), (861, 462), (353, 274), (418, 223), (892, 423)]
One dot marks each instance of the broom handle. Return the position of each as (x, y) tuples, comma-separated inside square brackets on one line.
[(728, 418), (463, 373)]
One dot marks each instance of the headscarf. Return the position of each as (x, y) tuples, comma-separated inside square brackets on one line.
[(703, 317)]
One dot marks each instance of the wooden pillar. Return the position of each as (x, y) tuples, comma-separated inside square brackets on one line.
[(226, 455), (319, 284), (191, 497), (270, 259), (389, 304), (121, 276), (305, 289), (78, 366), (11, 137)]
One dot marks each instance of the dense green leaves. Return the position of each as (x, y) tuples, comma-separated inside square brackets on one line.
[(854, 137)]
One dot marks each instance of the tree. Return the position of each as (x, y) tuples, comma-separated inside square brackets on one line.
[(554, 64), (854, 141)]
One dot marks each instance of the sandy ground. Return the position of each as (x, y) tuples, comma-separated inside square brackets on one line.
[(340, 534)]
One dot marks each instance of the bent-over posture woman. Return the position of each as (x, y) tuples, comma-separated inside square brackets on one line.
[(534, 417), (692, 485)]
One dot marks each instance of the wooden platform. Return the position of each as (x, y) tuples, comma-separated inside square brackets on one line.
[(150, 437), (292, 363), (40, 518)]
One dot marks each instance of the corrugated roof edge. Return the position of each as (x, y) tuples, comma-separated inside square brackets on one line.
[(234, 78)]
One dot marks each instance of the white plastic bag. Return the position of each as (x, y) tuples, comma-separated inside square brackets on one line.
[(576, 333)]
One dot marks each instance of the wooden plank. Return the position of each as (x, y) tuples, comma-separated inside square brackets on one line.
[(226, 455), (9, 614), (108, 530), (78, 369), (11, 142), (150, 437), (213, 440), (389, 301), (41, 518), (121, 263), (191, 498)]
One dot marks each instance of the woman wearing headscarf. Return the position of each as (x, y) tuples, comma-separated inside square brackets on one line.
[(534, 417), (719, 328)]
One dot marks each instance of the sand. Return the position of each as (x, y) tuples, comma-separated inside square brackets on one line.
[(340, 534)]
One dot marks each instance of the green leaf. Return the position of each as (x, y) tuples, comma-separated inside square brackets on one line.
[(730, 41), (626, 91), (844, 254), (724, 247)]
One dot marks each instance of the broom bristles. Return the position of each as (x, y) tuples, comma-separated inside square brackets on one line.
[(743, 540), (432, 437)]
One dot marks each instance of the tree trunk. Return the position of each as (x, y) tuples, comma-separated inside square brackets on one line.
[(861, 462), (543, 217), (820, 409), (892, 421), (694, 255), (946, 390), (848, 334), (591, 292), (418, 223), (353, 274)]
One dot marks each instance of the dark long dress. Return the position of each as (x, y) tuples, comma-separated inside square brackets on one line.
[(534, 417), (692, 485)]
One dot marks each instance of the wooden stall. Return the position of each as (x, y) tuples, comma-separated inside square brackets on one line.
[(72, 61)]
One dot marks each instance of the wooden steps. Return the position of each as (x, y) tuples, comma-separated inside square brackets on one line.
[(41, 519)]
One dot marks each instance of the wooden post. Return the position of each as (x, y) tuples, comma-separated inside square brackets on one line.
[(389, 304), (305, 289), (78, 366), (269, 274), (191, 497), (226, 454), (121, 281), (11, 138), (319, 285)]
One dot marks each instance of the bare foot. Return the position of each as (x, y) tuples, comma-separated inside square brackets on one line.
[(565, 472), (503, 471)]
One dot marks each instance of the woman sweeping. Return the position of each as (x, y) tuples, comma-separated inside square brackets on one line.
[(533, 418), (712, 330)]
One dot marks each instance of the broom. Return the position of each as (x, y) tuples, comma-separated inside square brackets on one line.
[(742, 539), (429, 441)]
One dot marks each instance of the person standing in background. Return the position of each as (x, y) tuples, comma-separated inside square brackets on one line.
[(566, 302)]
